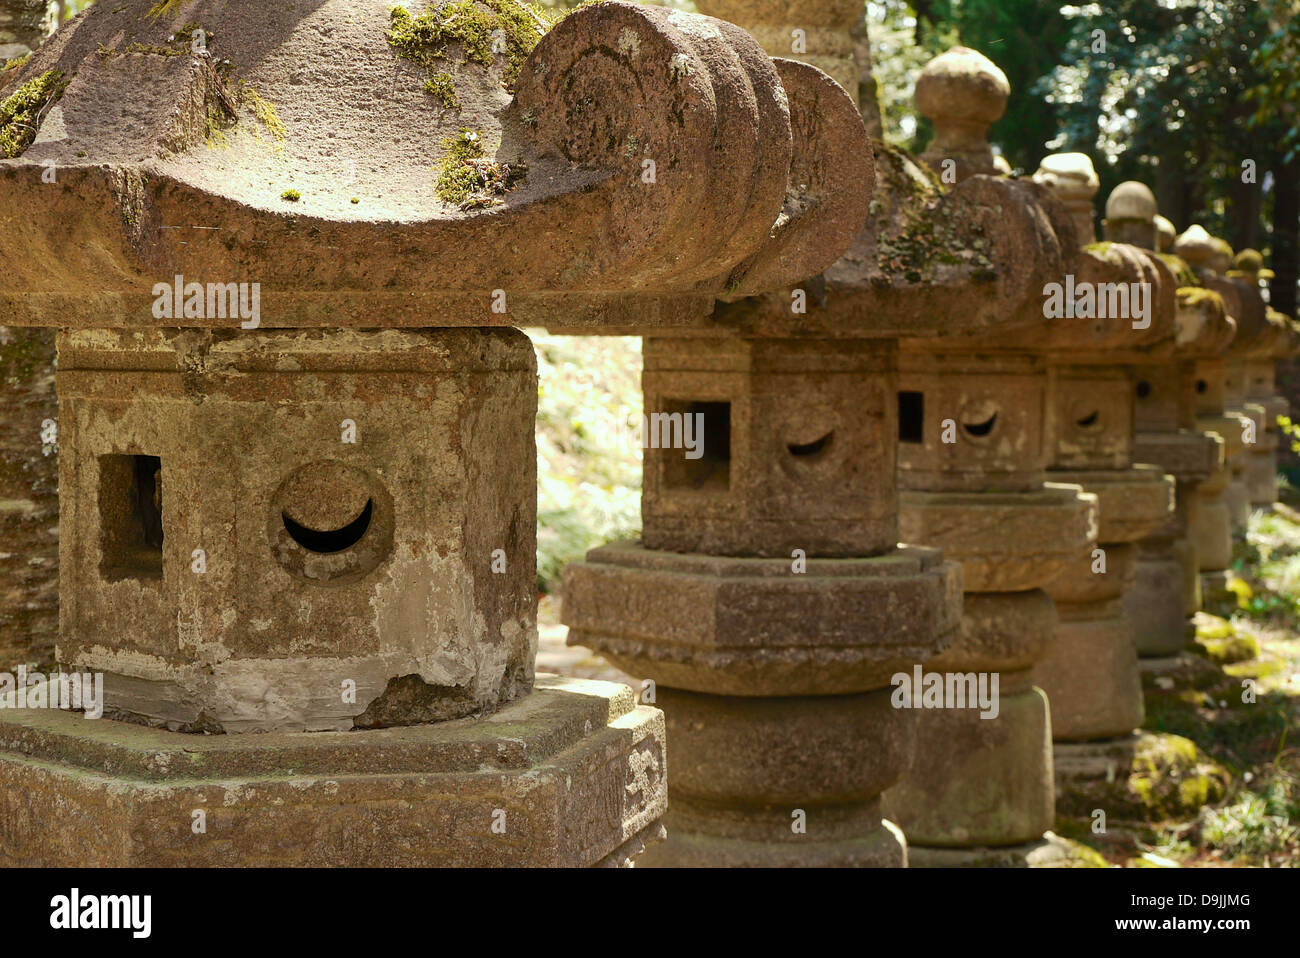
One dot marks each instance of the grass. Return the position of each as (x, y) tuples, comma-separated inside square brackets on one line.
[(1246, 716)]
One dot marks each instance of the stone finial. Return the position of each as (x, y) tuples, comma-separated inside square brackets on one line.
[(1249, 265), (963, 93), (1073, 179), (1208, 255), (1130, 215), (1166, 233)]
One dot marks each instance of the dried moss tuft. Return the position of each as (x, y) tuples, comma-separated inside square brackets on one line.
[(467, 178)]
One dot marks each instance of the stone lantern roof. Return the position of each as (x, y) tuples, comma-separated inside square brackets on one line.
[(367, 167)]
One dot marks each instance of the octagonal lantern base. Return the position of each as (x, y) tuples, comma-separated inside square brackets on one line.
[(571, 774)]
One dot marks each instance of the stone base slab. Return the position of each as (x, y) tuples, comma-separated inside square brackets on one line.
[(571, 774), (1050, 851), (884, 847), (1182, 671)]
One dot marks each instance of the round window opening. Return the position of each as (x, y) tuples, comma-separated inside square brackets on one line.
[(330, 523), (1143, 389), (979, 417)]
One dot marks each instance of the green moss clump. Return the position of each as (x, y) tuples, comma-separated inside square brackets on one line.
[(163, 8), (356, 199), (1198, 296), (17, 63), (1249, 260), (20, 113), (467, 178), (1178, 266), (1228, 649), (476, 26), (264, 110), (293, 196), (442, 88)]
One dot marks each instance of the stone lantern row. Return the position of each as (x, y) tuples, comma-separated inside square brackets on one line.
[(1072, 460), (874, 351)]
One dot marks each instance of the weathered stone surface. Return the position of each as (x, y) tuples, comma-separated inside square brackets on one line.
[(29, 510), (148, 135), (575, 772), (1006, 542), (1131, 214), (797, 449), (1090, 674), (996, 403), (732, 626), (1131, 503), (285, 613), (979, 781), (1145, 776), (1073, 179), (828, 756), (963, 93)]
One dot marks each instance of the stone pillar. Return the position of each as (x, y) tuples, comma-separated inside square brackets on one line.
[(1131, 215), (1071, 177), (972, 455), (1167, 591), (963, 93), (1090, 673)]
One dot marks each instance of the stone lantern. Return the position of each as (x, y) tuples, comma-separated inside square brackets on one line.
[(297, 483), (1221, 381), (1090, 672), (1166, 592), (784, 697), (973, 455)]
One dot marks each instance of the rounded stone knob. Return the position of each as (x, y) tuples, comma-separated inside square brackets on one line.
[(1131, 200), (1131, 215), (963, 93), (1203, 252), (1074, 181)]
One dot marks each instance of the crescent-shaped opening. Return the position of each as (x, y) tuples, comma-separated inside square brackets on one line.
[(981, 428), (810, 448), (1088, 421), (330, 540)]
